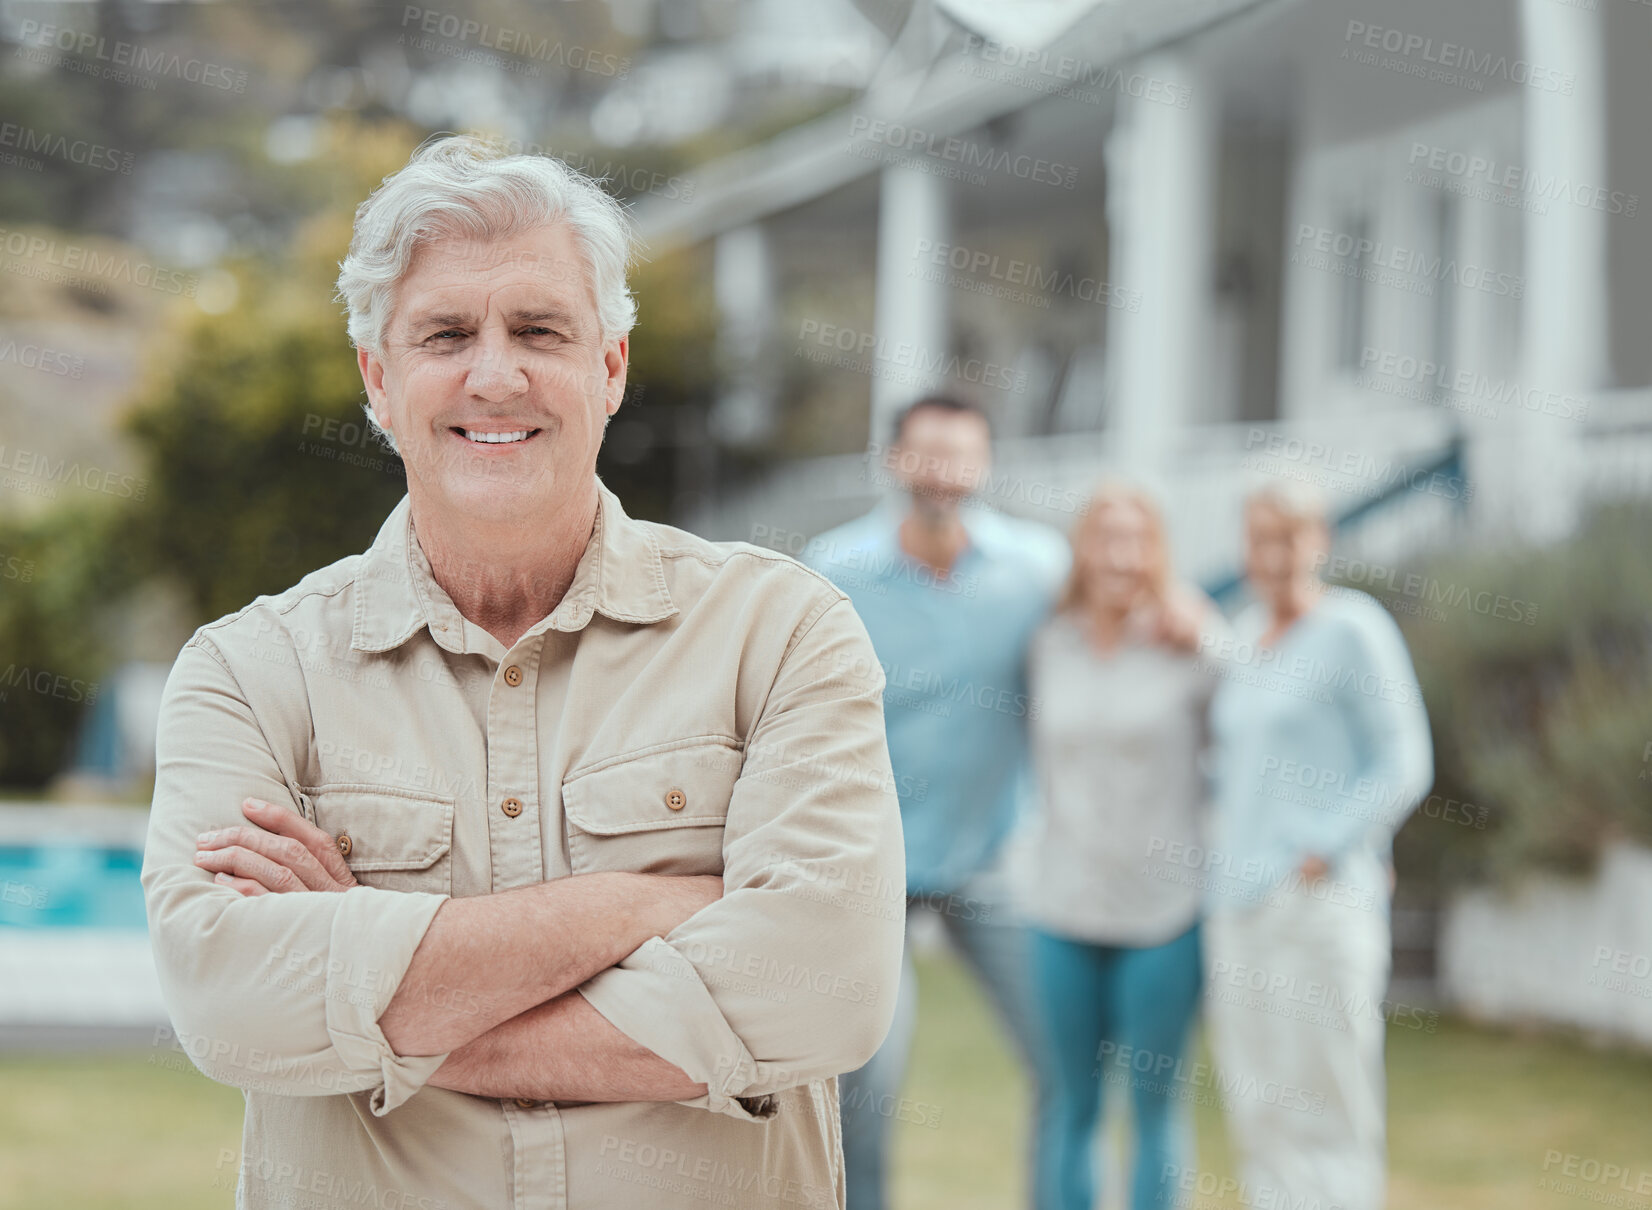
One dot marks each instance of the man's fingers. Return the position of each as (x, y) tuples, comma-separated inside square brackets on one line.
[(285, 822), (246, 886), (246, 863), (282, 850)]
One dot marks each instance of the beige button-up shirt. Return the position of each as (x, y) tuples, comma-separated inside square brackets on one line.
[(684, 710)]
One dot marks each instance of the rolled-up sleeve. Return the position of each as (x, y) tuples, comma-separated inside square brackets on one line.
[(791, 975), (280, 993)]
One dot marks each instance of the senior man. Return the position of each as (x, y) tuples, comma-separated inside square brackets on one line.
[(588, 847)]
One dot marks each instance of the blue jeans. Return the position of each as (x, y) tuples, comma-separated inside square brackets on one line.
[(995, 948), (1141, 998)]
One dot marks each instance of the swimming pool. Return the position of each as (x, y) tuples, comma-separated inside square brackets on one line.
[(55, 884)]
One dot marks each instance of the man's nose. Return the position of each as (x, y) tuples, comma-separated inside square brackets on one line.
[(496, 370)]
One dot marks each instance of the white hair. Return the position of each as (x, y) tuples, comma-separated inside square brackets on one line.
[(1299, 503), (462, 186)]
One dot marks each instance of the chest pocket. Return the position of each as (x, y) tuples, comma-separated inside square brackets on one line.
[(658, 810), (399, 840)]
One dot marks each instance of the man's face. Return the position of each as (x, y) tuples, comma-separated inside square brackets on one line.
[(942, 456), (494, 379)]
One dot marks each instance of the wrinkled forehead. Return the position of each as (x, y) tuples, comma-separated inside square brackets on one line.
[(540, 267)]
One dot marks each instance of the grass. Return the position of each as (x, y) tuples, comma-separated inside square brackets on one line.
[(1476, 1119)]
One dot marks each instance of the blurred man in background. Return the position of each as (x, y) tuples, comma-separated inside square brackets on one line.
[(951, 593)]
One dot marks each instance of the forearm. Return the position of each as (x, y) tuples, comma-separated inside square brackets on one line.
[(488, 958), (563, 1050)]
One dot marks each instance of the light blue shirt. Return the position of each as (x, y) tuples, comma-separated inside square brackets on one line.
[(1321, 749), (954, 654)]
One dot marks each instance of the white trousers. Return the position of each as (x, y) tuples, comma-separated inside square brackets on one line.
[(1294, 1000)]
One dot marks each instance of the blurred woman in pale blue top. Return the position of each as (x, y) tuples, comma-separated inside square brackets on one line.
[(1122, 697), (1322, 749)]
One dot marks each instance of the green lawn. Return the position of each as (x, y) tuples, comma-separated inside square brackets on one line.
[(1474, 1115)]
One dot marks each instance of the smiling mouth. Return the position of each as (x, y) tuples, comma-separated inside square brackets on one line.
[(512, 438)]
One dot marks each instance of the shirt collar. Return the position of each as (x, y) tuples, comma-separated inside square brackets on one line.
[(621, 576)]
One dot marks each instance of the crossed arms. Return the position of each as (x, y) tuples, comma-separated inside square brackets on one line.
[(602, 986), (520, 1030)]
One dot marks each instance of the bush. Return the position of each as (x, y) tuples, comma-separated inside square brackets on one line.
[(1543, 714)]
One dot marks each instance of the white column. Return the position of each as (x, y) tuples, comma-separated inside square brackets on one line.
[(912, 207), (1161, 178), (1564, 339), (743, 281)]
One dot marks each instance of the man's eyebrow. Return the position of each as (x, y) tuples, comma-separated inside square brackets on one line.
[(543, 315), (439, 319)]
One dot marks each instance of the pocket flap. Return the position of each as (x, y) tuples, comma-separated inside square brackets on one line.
[(388, 828), (684, 784)]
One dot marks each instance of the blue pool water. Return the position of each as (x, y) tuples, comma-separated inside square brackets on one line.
[(70, 886)]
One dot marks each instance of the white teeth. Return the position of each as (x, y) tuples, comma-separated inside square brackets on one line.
[(497, 438)]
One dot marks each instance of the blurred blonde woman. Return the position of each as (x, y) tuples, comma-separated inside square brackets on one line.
[(1122, 698)]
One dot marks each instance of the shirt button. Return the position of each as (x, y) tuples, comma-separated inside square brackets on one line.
[(513, 676), (676, 799), (511, 807), (344, 845)]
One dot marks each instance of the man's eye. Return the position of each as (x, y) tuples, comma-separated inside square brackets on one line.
[(537, 330), (448, 334)]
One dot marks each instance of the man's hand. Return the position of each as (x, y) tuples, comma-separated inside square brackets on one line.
[(280, 851)]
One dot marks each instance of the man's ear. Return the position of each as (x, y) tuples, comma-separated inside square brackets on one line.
[(616, 360), (372, 377)]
